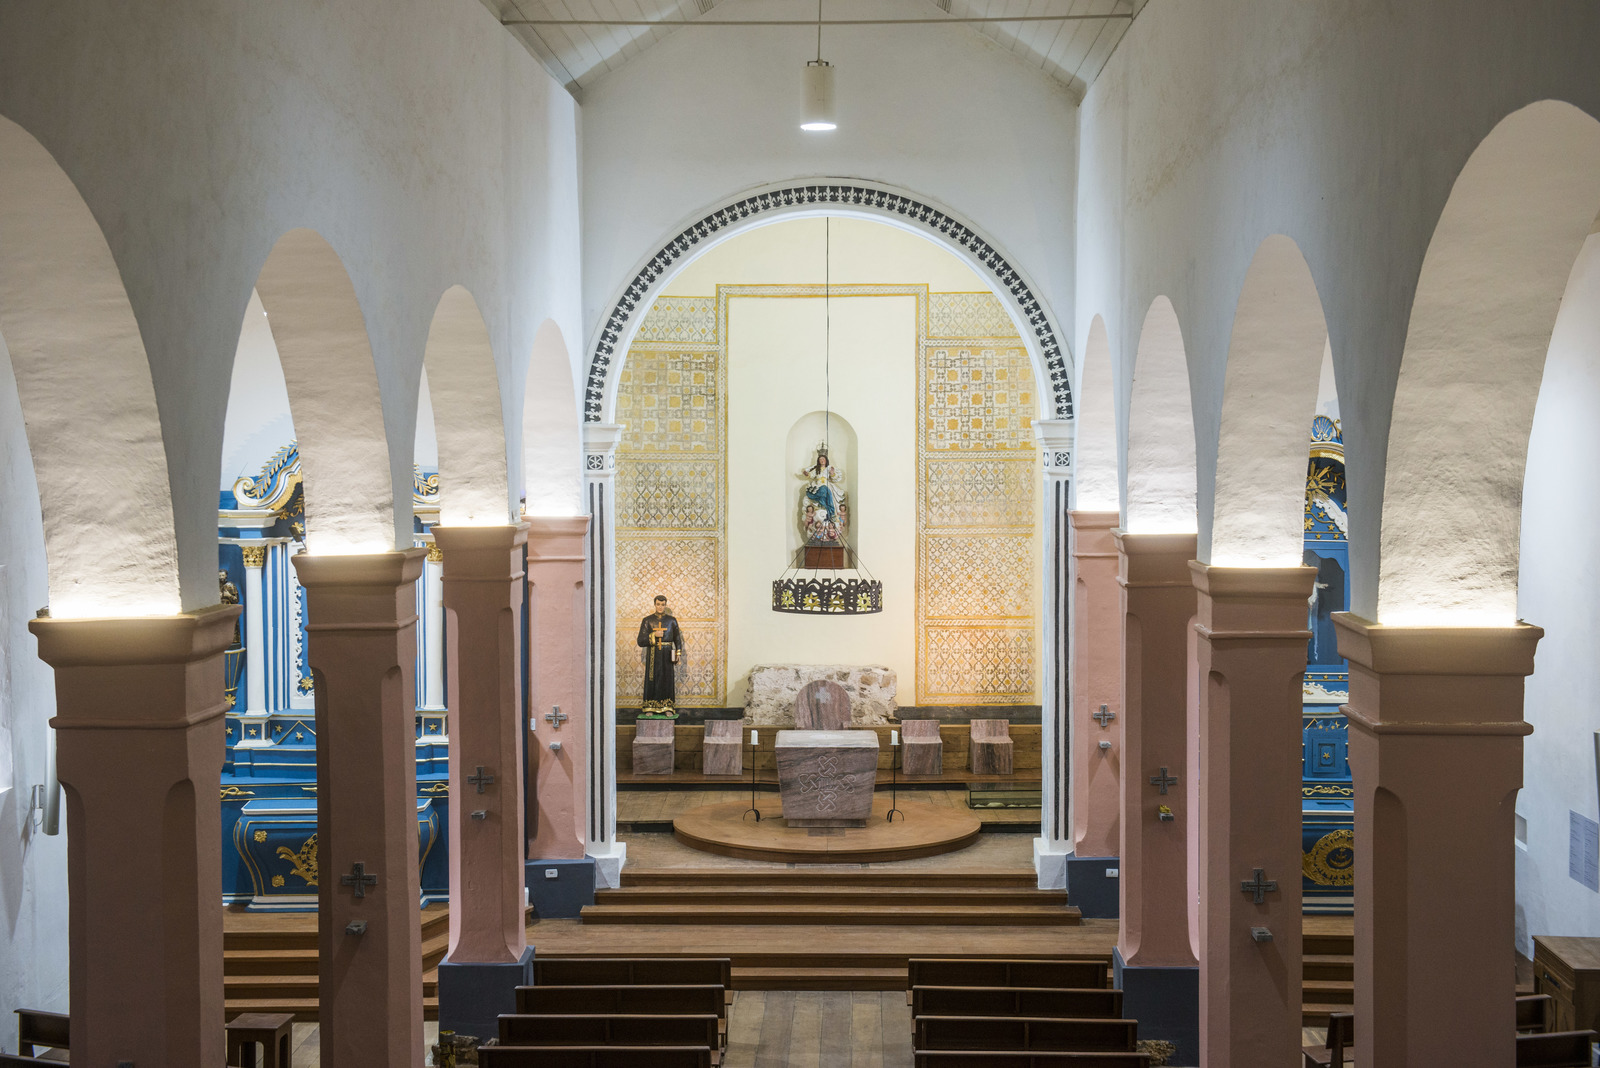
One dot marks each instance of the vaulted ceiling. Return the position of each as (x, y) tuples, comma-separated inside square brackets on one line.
[(581, 41)]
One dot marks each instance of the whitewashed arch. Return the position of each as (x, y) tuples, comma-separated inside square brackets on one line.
[(552, 439), (1095, 483), (467, 421), (1486, 301), (90, 408), (835, 197), (1161, 452), (322, 343), (1269, 398)]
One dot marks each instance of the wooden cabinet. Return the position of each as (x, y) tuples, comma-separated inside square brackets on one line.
[(1568, 969)]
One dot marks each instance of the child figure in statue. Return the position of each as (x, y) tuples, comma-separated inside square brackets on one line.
[(662, 641), (824, 509)]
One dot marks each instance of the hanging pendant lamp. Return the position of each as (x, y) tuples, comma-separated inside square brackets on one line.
[(816, 89), (826, 579)]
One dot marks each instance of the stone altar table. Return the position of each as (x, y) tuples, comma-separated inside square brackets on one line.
[(825, 778)]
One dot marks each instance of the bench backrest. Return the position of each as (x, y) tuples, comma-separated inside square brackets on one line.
[(43, 1028), (952, 1058), (631, 1029), (12, 1060), (920, 730), (1533, 1012), (1050, 974), (1559, 1049), (629, 971), (723, 729), (991, 730), (1018, 1033), (593, 1056), (695, 1000), (654, 730), (1015, 1001)]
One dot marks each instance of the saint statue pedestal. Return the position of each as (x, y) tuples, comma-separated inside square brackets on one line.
[(826, 558), (825, 778)]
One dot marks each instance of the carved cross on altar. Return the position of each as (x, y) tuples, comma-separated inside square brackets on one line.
[(1163, 780), (1104, 718), (480, 780), (359, 879), (1259, 886)]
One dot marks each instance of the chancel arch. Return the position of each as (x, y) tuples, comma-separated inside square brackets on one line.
[(95, 436), (468, 427), (1486, 302), (1160, 496)]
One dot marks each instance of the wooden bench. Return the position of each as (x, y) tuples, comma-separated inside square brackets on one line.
[(990, 753), (593, 1056), (972, 971), (722, 748), (1025, 1033), (962, 1058), (51, 1030), (1341, 1036), (1534, 1012), (1559, 1049), (1060, 1003), (10, 1060), (632, 1029), (632, 971), (652, 747), (923, 752), (663, 1000)]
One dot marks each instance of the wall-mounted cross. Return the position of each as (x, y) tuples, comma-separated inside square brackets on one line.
[(481, 780), (359, 879), (556, 716), (1259, 886), (1163, 780), (1104, 717)]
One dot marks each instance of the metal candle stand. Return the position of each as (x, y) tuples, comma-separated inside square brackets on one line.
[(894, 778), (752, 807)]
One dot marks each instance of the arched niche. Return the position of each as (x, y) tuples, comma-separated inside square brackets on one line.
[(552, 442), (800, 453), (1486, 302), (469, 431), (1161, 457), (1095, 484)]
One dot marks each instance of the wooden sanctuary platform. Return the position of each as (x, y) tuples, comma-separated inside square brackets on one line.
[(920, 830)]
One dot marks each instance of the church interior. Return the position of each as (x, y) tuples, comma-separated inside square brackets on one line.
[(773, 532)]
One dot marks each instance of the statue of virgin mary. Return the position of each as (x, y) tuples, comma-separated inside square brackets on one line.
[(824, 506)]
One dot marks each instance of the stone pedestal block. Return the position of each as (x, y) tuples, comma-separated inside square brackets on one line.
[(922, 748), (990, 752), (653, 746), (775, 688), (722, 748)]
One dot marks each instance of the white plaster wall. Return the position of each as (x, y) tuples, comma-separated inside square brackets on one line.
[(33, 866), (470, 442), (1342, 126), (259, 422), (417, 137), (1559, 574), (940, 111), (1160, 455), (1095, 485)]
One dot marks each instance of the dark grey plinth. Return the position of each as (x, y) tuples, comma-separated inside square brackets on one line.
[(472, 996), (564, 895), (1165, 1001), (1093, 892)]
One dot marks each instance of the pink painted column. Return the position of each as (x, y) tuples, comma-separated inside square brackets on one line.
[(361, 614), (489, 955), (1251, 661), (558, 667), (139, 705), (1096, 686), (1154, 959), (1436, 733)]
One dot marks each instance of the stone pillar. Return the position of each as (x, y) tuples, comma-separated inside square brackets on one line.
[(599, 478), (255, 632), (361, 618), (1053, 847), (489, 955), (1154, 958), (433, 629), (1436, 733), (1251, 663), (139, 708), (559, 653), (1097, 750)]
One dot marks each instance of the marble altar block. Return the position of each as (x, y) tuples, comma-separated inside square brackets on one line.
[(825, 778)]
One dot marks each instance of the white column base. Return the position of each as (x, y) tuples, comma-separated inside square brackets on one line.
[(1050, 863), (608, 864)]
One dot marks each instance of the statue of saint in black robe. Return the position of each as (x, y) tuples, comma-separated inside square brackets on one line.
[(662, 642)]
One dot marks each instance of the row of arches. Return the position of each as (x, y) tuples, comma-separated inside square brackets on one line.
[(94, 422)]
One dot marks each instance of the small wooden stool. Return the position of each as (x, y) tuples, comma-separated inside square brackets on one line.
[(273, 1030)]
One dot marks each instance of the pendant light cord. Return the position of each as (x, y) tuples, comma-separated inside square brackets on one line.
[(827, 329), (819, 31)]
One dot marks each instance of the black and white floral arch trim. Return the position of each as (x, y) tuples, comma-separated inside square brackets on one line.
[(1009, 279)]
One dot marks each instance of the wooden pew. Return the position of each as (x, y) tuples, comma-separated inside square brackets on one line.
[(1559, 1049), (1341, 1036), (655, 1000), (1025, 1033), (594, 1030), (951, 1058), (968, 971), (35, 1028), (632, 971), (1534, 1012), (1016, 1001), (10, 1060), (593, 1056)]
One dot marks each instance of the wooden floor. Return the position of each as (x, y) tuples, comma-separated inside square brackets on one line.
[(920, 830), (644, 809)]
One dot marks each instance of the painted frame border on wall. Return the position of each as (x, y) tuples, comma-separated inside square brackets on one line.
[(868, 200)]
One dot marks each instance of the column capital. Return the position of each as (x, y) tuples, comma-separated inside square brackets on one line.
[(1055, 438), (600, 448), (370, 569), (1437, 650), (136, 640), (552, 539), (1155, 559), (1252, 603), (254, 555), (481, 553)]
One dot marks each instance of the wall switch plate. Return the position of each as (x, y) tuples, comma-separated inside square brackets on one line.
[(551, 873), (1113, 873)]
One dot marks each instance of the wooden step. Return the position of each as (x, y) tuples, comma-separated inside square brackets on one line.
[(1328, 966), (883, 912), (844, 978), (304, 1010), (711, 895), (994, 878), (1315, 1014), (249, 987), (1329, 992)]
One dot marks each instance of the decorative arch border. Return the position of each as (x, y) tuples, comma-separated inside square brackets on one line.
[(858, 196)]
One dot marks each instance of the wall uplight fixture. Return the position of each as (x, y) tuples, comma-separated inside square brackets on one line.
[(816, 89)]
